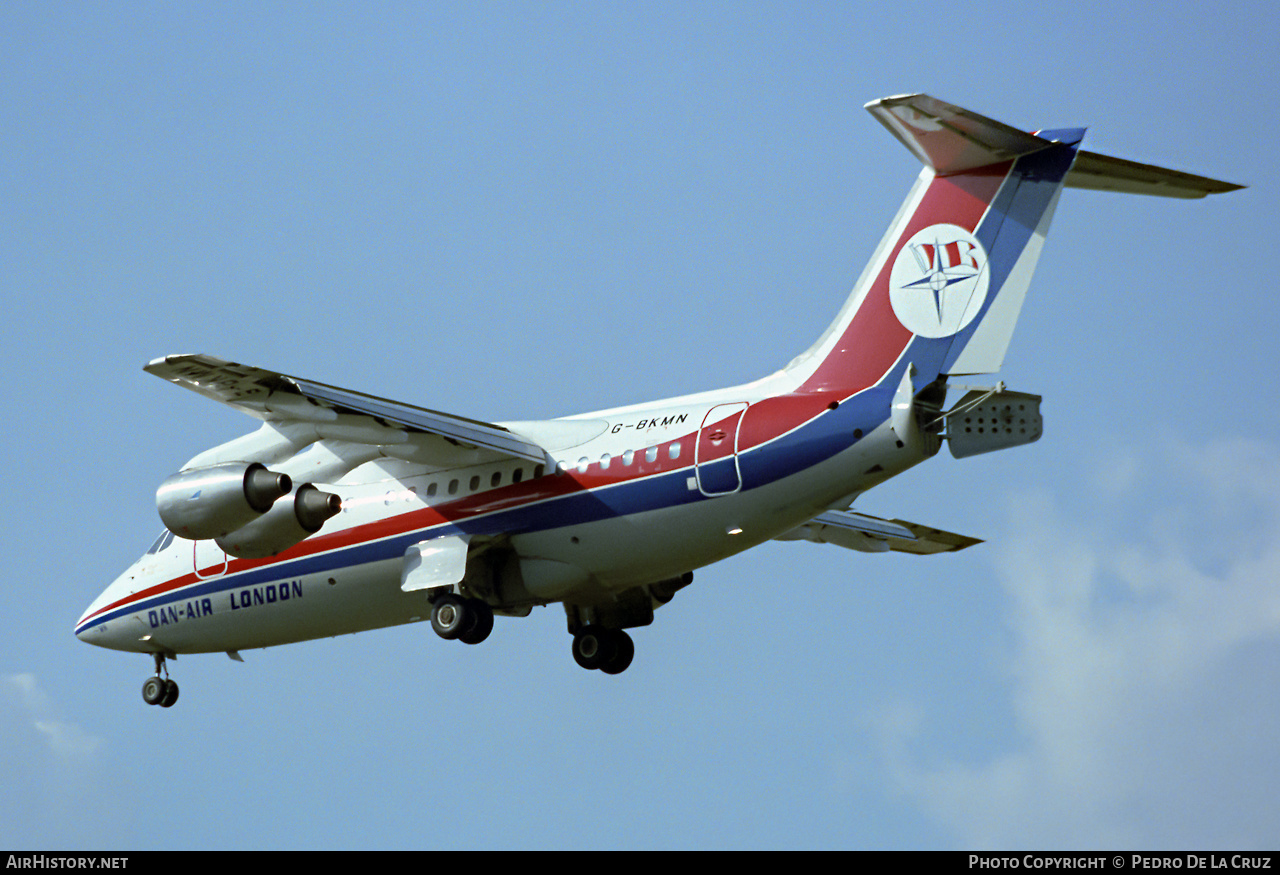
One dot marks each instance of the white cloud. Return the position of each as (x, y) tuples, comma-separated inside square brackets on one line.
[(1143, 674), (27, 692), (50, 772), (66, 740), (30, 706)]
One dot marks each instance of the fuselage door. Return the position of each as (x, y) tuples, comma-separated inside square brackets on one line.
[(208, 559), (716, 453)]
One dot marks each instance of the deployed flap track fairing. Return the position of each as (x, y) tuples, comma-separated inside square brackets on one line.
[(345, 512)]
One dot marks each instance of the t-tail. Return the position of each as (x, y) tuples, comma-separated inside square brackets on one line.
[(943, 290)]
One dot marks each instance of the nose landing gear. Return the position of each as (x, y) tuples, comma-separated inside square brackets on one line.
[(160, 690)]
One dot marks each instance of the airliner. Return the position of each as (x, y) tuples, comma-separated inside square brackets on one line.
[(344, 512)]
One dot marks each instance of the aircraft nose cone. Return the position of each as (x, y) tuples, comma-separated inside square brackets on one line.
[(104, 623), (108, 634), (85, 631), (94, 628)]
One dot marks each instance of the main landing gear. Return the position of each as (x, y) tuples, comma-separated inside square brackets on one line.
[(610, 650), (468, 620), (160, 690)]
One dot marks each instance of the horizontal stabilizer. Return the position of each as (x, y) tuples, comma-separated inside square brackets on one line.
[(1104, 173), (948, 138), (868, 534)]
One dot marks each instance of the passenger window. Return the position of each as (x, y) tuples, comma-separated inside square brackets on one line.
[(583, 464), (651, 454), (517, 475), (495, 480), (627, 457), (674, 450), (475, 482), (431, 488), (539, 471), (453, 487), (604, 462)]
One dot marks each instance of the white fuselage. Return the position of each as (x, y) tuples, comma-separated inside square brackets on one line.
[(647, 498)]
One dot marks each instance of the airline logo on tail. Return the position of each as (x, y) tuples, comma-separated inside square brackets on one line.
[(939, 281)]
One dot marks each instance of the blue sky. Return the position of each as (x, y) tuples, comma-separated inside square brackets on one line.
[(517, 211)]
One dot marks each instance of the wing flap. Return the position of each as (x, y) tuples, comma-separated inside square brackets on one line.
[(457, 428), (868, 534)]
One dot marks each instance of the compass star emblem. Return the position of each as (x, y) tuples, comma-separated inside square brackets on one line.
[(939, 280), (938, 273)]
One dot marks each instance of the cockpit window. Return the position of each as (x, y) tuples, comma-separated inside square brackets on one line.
[(165, 539)]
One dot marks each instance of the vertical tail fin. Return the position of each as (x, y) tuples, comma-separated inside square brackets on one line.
[(949, 277), (944, 288)]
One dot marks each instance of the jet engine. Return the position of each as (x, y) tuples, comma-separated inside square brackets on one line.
[(210, 502), (287, 523)]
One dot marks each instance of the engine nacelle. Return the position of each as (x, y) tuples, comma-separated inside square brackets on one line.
[(210, 502), (288, 522)]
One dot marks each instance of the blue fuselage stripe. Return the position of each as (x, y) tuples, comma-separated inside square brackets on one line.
[(819, 439)]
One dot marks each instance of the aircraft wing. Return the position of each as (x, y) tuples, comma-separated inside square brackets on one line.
[(289, 403), (868, 534)]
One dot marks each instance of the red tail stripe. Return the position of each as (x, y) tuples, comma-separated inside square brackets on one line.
[(874, 338)]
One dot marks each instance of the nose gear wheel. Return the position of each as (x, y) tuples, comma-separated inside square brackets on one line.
[(160, 690)]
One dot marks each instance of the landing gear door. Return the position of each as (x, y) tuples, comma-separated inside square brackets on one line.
[(439, 562), (716, 453)]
